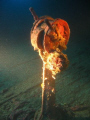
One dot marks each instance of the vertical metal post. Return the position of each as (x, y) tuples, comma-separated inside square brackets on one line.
[(48, 93)]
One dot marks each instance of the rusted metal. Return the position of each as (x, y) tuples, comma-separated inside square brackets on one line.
[(48, 24), (48, 35), (33, 13), (48, 94)]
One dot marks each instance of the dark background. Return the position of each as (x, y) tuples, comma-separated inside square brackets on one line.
[(16, 19)]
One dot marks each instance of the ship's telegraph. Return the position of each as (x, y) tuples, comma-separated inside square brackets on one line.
[(50, 36)]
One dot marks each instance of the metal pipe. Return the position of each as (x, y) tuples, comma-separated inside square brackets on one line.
[(48, 24), (48, 94), (33, 13)]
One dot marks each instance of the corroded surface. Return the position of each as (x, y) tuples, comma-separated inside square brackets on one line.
[(20, 86)]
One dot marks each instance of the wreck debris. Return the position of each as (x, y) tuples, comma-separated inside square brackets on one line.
[(49, 37)]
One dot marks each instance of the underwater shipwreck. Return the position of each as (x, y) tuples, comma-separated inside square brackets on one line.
[(49, 37), (49, 93)]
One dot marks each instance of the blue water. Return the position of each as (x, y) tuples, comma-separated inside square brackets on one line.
[(18, 60)]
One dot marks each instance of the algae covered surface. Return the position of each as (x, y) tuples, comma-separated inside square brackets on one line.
[(72, 85)]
